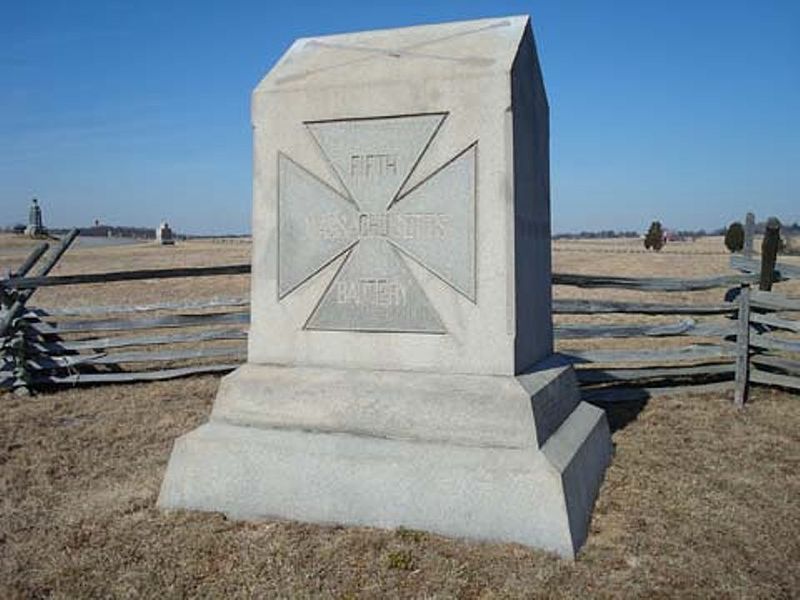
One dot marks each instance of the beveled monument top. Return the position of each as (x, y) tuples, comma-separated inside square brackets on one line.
[(460, 48)]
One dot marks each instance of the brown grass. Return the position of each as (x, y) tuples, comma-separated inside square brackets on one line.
[(145, 255), (701, 500)]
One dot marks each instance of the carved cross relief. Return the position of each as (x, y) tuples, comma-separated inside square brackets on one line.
[(378, 224)]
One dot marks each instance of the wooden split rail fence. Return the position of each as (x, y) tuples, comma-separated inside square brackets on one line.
[(749, 338)]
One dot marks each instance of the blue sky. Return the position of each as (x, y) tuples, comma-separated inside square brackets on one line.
[(130, 112)]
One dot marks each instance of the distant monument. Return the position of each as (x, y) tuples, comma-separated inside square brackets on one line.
[(400, 361), (749, 234), (35, 226), (164, 234)]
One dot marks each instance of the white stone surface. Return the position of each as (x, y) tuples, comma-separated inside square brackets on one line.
[(164, 234), (464, 482), (400, 367), (351, 128), (461, 409)]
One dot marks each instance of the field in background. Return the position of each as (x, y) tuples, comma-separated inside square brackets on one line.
[(144, 255), (700, 500)]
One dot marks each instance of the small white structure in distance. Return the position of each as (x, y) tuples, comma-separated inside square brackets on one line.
[(164, 234), (35, 226)]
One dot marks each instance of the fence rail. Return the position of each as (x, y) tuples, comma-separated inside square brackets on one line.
[(580, 307), (652, 284), (27, 283), (751, 337)]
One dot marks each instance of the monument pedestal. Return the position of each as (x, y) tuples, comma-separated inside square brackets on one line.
[(516, 459)]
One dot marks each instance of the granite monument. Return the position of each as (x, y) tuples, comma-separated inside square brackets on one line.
[(400, 363)]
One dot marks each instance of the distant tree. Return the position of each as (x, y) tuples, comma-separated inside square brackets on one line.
[(734, 237), (654, 240)]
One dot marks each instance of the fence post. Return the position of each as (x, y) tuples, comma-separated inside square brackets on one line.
[(31, 260), (742, 347), (12, 326), (15, 345), (7, 298), (749, 233), (19, 302), (22, 377), (769, 253)]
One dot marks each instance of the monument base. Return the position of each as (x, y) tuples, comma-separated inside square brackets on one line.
[(516, 459)]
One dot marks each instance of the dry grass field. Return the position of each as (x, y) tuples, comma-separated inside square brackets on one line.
[(701, 500)]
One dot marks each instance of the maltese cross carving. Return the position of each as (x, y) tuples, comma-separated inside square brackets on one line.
[(379, 224)]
